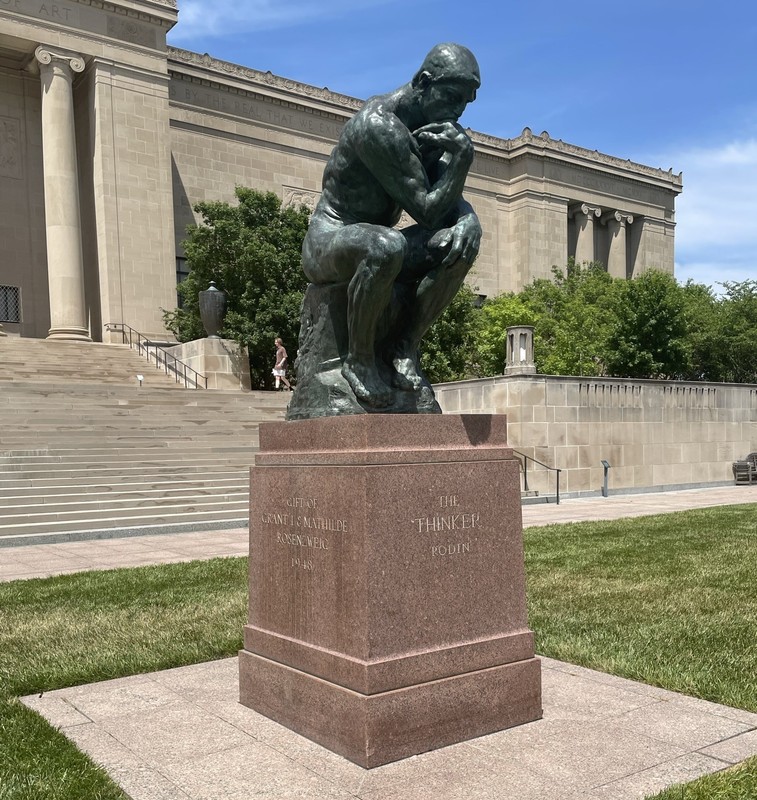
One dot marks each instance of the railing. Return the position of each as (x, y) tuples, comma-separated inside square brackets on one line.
[(524, 468), (162, 357)]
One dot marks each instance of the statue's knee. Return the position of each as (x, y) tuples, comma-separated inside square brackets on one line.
[(389, 247)]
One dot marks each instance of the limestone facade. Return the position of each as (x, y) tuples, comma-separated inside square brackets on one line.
[(661, 434), (156, 130)]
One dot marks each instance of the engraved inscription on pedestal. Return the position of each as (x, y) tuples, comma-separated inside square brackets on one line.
[(448, 528), (303, 531)]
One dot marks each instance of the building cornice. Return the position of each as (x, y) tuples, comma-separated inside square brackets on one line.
[(545, 145), (298, 92), (164, 12), (301, 94)]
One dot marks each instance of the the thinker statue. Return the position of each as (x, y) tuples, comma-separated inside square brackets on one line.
[(375, 290)]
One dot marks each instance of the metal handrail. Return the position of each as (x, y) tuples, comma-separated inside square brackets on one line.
[(524, 467), (182, 372)]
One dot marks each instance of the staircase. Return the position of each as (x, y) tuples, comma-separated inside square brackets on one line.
[(40, 360), (84, 451)]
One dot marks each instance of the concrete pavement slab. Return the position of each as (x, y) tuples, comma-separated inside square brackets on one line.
[(181, 733)]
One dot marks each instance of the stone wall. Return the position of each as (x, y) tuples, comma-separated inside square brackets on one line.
[(653, 433)]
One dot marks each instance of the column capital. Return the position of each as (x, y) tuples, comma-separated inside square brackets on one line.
[(617, 216), (585, 209), (590, 210), (45, 56)]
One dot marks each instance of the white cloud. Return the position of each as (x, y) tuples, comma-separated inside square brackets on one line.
[(199, 19), (716, 214)]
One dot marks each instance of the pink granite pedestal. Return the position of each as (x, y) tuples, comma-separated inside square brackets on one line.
[(387, 591)]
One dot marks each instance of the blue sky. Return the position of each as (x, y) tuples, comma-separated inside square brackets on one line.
[(668, 83)]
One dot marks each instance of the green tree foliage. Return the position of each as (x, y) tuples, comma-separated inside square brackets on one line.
[(649, 333), (450, 349), (588, 323), (574, 315), (252, 250), (702, 312), (497, 315), (737, 347)]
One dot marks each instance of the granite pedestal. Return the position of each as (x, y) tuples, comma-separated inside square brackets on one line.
[(387, 594)]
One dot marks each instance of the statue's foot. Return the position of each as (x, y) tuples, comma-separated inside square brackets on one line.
[(367, 385), (405, 375)]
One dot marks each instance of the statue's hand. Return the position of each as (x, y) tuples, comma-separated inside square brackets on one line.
[(463, 240), (447, 136)]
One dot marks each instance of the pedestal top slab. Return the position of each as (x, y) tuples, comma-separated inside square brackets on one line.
[(384, 438)]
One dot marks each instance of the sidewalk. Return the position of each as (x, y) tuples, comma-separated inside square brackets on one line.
[(181, 734), (43, 560)]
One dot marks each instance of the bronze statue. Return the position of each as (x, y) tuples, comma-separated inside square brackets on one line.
[(375, 290)]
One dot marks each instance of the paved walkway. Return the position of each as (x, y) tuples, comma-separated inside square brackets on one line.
[(182, 734), (43, 560)]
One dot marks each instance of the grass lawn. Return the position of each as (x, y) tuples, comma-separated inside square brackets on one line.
[(668, 600)]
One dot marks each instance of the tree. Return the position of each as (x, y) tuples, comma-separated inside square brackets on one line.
[(252, 250), (649, 335), (702, 313), (449, 350), (497, 315), (736, 348), (574, 316)]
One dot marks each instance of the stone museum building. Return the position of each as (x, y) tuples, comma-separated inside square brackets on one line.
[(108, 137)]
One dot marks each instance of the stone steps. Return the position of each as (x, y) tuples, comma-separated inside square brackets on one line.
[(143, 469), (75, 362), (108, 495), (90, 455), (153, 519), (31, 516), (78, 457)]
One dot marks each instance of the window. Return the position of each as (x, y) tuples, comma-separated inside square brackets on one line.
[(182, 270), (10, 304)]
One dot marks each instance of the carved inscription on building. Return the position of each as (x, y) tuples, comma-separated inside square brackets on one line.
[(303, 531), (10, 148), (55, 12), (130, 31), (449, 527)]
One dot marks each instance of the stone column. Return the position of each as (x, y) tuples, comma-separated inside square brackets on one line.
[(584, 216), (65, 264), (617, 260)]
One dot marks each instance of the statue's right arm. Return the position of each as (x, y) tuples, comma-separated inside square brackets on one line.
[(388, 150)]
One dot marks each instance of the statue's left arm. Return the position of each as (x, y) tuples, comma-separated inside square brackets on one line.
[(463, 234)]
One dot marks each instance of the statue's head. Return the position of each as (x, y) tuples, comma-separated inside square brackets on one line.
[(447, 81)]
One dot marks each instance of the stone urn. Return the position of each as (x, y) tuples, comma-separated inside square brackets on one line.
[(212, 310)]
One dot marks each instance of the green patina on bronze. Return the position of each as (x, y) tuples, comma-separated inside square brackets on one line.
[(374, 289)]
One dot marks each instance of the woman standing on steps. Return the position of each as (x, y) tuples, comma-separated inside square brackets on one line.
[(280, 366)]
